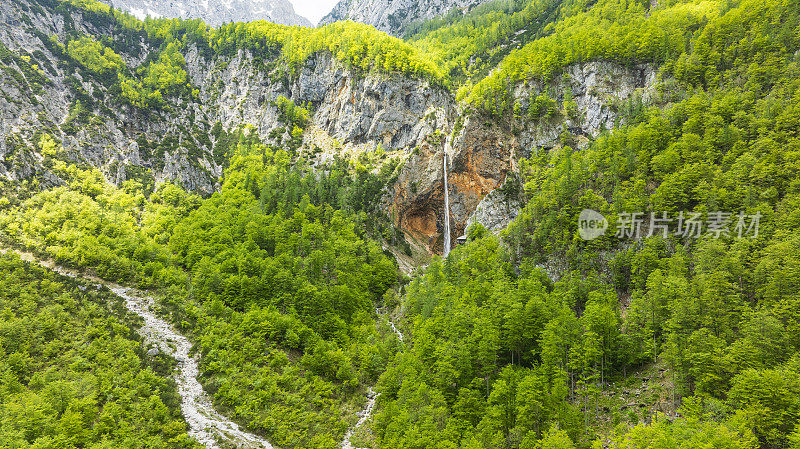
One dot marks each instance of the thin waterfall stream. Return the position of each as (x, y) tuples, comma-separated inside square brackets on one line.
[(363, 416), (446, 249)]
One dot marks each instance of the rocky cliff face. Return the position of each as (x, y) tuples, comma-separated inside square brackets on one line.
[(499, 208), (216, 12), (370, 111), (175, 143), (480, 156), (598, 91), (484, 150), (42, 94), (393, 16)]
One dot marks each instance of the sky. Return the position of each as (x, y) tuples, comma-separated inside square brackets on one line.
[(313, 10)]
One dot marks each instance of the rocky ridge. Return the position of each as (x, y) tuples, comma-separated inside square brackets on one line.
[(394, 16), (215, 12)]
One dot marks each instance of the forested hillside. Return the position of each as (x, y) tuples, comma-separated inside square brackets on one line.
[(537, 329), (276, 286), (74, 373), (267, 183)]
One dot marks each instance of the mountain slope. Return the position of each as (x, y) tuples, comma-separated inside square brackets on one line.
[(394, 17), (154, 108), (77, 373), (149, 113), (540, 338), (216, 12), (310, 140)]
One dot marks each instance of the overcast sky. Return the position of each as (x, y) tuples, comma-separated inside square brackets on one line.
[(313, 10)]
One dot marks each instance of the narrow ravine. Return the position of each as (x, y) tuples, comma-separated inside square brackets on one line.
[(363, 415), (205, 424), (391, 324), (372, 396)]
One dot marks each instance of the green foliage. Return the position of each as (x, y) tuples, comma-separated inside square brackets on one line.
[(556, 439), (162, 78), (769, 399), (78, 116), (95, 57), (291, 114), (491, 355), (276, 285), (159, 79), (72, 373), (686, 434), (296, 119), (719, 312), (360, 47), (468, 46), (616, 30), (167, 74)]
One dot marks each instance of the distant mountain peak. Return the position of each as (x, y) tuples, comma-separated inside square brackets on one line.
[(216, 12), (394, 16)]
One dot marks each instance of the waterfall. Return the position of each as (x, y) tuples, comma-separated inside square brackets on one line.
[(446, 250)]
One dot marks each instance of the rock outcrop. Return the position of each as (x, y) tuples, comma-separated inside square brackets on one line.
[(497, 209), (598, 90), (480, 158), (485, 149), (393, 112), (394, 16), (215, 12)]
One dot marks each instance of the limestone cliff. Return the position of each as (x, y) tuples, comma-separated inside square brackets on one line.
[(373, 110), (480, 157), (216, 12), (175, 142), (596, 90), (394, 16), (484, 150), (41, 93)]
